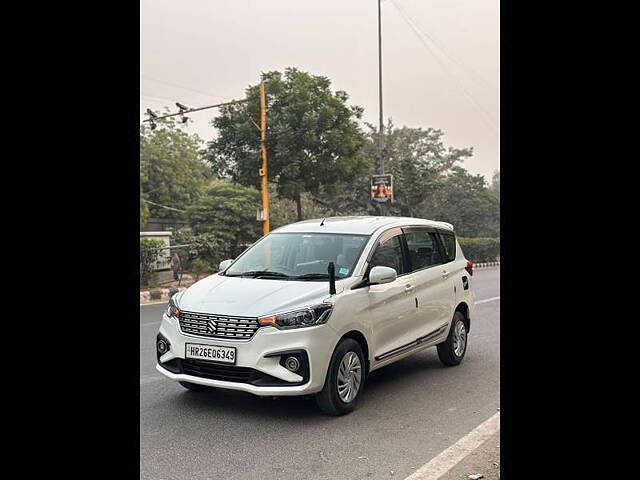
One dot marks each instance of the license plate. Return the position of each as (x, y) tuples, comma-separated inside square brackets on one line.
[(213, 353)]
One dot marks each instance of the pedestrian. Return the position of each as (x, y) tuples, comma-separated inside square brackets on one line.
[(176, 265)]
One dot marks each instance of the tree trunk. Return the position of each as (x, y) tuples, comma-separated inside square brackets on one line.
[(299, 206)]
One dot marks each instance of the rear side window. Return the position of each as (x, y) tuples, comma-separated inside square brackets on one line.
[(449, 244), (389, 254), (423, 248)]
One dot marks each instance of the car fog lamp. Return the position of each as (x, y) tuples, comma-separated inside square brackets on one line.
[(162, 346), (292, 364)]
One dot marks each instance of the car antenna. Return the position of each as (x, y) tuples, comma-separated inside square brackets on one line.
[(322, 222), (331, 269)]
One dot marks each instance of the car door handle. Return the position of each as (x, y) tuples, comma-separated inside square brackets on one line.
[(445, 274), (409, 288)]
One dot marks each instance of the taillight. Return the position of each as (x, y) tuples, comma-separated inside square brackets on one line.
[(469, 267)]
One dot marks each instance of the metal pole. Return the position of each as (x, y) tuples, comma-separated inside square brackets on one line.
[(381, 206), (191, 110), (263, 149), (381, 129)]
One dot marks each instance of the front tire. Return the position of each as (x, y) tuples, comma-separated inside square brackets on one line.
[(452, 350), (345, 379), (195, 387)]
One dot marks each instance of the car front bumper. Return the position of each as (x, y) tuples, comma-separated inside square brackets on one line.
[(260, 353)]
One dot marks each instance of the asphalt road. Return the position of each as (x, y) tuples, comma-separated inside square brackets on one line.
[(409, 412)]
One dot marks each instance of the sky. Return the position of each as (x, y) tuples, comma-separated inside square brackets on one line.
[(440, 59)]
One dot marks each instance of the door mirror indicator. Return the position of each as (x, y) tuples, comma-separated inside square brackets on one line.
[(379, 275), (225, 264)]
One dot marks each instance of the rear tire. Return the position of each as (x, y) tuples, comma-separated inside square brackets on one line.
[(345, 379), (452, 350), (195, 387)]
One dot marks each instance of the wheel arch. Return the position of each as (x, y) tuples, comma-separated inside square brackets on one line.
[(464, 309), (359, 337)]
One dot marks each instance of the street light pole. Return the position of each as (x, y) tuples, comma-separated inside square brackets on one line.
[(381, 128), (381, 207)]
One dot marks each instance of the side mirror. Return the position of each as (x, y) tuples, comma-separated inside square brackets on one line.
[(225, 264), (379, 275)]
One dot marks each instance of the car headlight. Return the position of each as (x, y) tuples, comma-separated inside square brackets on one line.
[(307, 317), (172, 308)]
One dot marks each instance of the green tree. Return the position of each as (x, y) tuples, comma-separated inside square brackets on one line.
[(202, 253), (495, 185), (172, 172), (466, 202), (313, 138), (144, 210), (418, 160), (227, 211), (282, 211)]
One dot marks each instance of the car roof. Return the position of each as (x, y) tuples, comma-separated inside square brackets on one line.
[(363, 225)]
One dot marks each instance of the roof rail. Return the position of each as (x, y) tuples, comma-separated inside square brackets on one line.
[(446, 225)]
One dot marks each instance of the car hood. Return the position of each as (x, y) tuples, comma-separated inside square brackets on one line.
[(252, 297)]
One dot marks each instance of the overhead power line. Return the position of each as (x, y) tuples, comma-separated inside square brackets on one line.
[(157, 97), (486, 117), (162, 206), (473, 75), (175, 85)]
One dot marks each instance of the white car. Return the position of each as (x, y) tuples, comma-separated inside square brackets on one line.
[(313, 307)]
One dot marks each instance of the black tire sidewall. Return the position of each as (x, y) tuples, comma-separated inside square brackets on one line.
[(445, 350), (329, 393)]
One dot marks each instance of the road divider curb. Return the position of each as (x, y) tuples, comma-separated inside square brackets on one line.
[(155, 294), (486, 265)]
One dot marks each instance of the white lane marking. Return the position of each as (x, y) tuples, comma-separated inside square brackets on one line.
[(149, 379), (151, 323), (450, 457), (487, 300)]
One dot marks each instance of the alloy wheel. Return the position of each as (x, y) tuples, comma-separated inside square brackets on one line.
[(349, 377), (459, 339)]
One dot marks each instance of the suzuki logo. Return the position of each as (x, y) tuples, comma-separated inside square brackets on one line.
[(211, 326)]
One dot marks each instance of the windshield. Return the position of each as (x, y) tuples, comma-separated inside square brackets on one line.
[(303, 256)]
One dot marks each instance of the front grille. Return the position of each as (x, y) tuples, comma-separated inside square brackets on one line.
[(218, 326)]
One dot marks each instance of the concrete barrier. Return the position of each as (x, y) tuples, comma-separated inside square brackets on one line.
[(158, 294), (486, 265)]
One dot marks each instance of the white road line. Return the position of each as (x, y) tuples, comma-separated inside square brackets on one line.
[(150, 379), (487, 300), (450, 457), (150, 323)]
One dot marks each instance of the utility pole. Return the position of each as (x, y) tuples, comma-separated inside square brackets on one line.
[(381, 207), (264, 215), (153, 118), (263, 150), (381, 128)]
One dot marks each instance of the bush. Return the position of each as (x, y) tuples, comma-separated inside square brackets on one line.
[(203, 253), (480, 249), (149, 254), (227, 213)]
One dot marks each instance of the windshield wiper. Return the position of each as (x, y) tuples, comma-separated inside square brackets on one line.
[(259, 273), (314, 276)]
